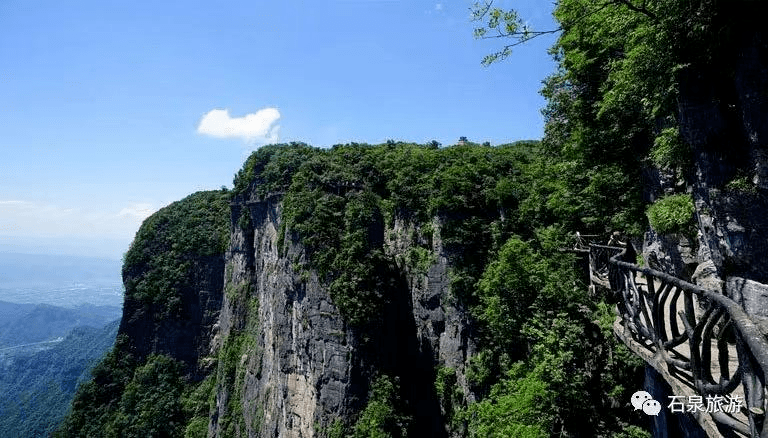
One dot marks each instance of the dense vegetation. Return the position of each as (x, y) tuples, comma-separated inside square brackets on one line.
[(547, 363), (132, 396), (338, 201), (130, 399), (37, 388), (163, 254)]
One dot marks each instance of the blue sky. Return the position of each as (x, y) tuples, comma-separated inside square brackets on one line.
[(113, 109)]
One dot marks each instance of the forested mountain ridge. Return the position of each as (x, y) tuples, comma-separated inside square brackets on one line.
[(364, 289), (37, 387), (412, 290)]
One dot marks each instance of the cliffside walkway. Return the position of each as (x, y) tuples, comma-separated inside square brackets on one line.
[(700, 341)]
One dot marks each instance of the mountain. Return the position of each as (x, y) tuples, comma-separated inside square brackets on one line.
[(362, 290), (37, 388), (32, 323)]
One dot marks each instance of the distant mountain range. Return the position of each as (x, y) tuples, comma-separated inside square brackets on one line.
[(33, 323), (58, 316), (36, 388)]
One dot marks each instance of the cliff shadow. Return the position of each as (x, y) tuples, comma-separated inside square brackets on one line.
[(392, 347)]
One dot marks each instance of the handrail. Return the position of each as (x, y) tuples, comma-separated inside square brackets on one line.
[(599, 256), (653, 305)]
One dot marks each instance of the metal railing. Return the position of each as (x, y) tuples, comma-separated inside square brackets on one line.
[(702, 337)]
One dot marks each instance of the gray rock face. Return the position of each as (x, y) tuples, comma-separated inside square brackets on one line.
[(723, 120), (301, 368), (185, 335), (674, 254), (297, 372), (753, 296), (442, 329), (706, 276)]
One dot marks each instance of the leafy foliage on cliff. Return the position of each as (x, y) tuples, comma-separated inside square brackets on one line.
[(537, 372), (338, 201), (614, 104), (502, 215), (382, 416), (672, 214), (131, 399), (162, 257)]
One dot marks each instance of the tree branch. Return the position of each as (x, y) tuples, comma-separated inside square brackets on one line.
[(524, 35), (639, 9), (484, 9)]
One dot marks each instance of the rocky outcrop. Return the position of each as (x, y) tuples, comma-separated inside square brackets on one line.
[(297, 373), (722, 115), (442, 328), (723, 119), (299, 369), (674, 254), (185, 333)]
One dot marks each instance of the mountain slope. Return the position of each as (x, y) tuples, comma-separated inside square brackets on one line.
[(37, 388)]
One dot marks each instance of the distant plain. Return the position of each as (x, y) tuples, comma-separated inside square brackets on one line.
[(60, 280)]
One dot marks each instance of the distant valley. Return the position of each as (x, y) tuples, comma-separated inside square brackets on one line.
[(58, 316), (22, 324), (66, 281), (36, 387)]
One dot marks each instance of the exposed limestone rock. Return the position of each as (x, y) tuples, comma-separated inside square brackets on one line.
[(752, 295), (673, 253), (301, 367), (298, 368), (706, 276)]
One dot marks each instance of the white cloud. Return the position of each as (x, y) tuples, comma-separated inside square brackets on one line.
[(137, 211), (259, 127), (438, 6)]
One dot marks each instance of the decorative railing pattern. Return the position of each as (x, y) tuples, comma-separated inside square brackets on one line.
[(701, 337), (599, 258)]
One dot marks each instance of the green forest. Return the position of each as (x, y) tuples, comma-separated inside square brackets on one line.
[(537, 324), (39, 386), (547, 363)]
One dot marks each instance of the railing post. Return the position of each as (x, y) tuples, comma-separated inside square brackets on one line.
[(709, 319)]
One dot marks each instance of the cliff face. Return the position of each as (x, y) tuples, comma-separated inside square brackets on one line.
[(184, 334), (174, 275), (300, 370), (294, 367), (723, 120), (313, 300)]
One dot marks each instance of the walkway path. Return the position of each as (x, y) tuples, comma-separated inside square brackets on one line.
[(700, 341)]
